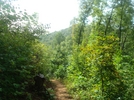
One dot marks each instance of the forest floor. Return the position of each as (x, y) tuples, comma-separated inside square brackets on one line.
[(60, 90)]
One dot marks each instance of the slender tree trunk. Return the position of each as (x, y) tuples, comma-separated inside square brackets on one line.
[(109, 19), (120, 26), (102, 83)]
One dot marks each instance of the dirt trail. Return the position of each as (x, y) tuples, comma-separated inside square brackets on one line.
[(60, 91)]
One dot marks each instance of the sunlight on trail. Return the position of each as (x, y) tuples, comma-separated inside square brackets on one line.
[(60, 91)]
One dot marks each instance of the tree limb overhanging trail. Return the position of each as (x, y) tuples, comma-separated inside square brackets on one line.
[(60, 91)]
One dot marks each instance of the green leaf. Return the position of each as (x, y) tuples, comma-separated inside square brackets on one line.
[(13, 10), (0, 89)]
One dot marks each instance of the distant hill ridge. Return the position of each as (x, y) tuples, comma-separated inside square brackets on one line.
[(48, 38)]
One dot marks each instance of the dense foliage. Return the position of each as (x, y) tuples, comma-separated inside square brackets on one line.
[(22, 56), (94, 56), (59, 44), (99, 63)]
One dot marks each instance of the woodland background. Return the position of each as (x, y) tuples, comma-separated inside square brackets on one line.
[(94, 58)]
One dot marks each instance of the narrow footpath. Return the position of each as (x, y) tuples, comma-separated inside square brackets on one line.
[(60, 91)]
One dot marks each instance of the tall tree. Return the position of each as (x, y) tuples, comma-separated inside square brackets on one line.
[(21, 54), (111, 20)]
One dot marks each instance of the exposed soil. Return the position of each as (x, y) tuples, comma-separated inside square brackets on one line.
[(60, 91)]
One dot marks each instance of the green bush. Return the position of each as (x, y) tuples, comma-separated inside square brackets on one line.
[(22, 56)]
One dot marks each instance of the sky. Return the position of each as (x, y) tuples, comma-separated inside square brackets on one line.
[(57, 13)]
